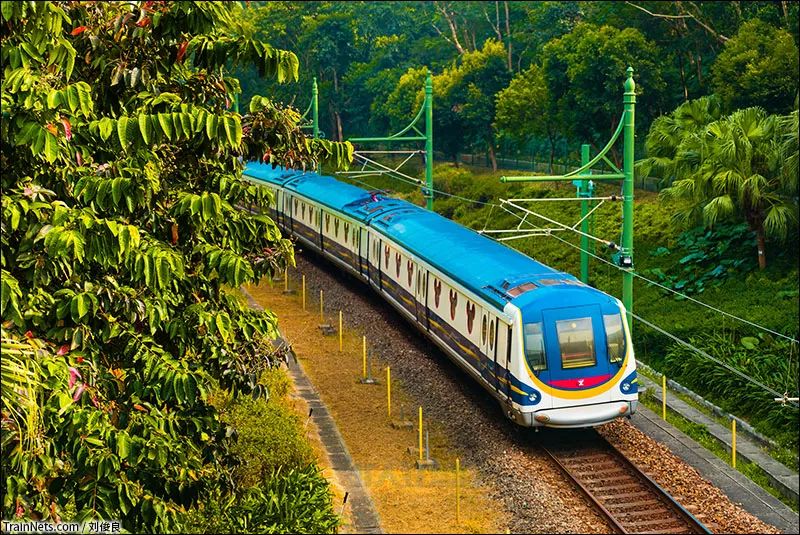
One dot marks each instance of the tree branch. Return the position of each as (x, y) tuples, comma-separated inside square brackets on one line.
[(442, 8), (684, 15), (660, 15)]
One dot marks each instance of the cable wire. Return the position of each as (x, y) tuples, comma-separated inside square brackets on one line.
[(634, 273)]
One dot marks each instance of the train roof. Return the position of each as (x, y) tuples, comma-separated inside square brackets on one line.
[(463, 254)]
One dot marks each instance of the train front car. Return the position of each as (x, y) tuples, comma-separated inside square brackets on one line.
[(573, 360)]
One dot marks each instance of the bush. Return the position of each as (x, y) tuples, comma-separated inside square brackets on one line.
[(293, 501), (269, 433)]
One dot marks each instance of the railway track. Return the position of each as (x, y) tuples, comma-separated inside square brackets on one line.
[(629, 500)]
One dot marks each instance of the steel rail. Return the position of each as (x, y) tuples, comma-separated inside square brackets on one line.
[(598, 446)]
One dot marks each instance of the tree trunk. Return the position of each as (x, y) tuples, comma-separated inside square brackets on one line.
[(339, 126), (683, 79), (762, 246), (336, 115), (492, 157), (508, 36)]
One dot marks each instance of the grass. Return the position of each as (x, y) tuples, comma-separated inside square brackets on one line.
[(700, 434), (407, 500)]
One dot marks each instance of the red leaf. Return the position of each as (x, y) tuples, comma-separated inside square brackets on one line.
[(63, 350), (181, 51), (144, 22), (67, 128), (29, 334), (79, 159), (51, 128), (79, 359), (79, 30)]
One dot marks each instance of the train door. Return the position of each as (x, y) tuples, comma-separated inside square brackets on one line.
[(363, 252), (289, 203), (421, 290), (486, 366), (503, 362), (492, 355)]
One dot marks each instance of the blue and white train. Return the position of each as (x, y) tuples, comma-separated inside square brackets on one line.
[(553, 351)]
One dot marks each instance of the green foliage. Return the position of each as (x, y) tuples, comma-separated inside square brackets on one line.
[(120, 238), (758, 67), (270, 435), (675, 141), (586, 90), (293, 501), (707, 258), (736, 168), (765, 359)]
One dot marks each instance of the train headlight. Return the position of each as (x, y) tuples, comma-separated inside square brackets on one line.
[(542, 418), (623, 409), (626, 387), (533, 397)]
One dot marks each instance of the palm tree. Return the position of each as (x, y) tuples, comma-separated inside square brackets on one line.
[(675, 141), (738, 167)]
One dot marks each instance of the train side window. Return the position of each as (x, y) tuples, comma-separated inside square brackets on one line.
[(484, 327), (534, 346), (491, 335)]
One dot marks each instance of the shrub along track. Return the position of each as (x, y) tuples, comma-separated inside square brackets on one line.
[(534, 491)]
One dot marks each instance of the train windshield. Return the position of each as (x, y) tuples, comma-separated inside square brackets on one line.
[(615, 335), (576, 340), (534, 346)]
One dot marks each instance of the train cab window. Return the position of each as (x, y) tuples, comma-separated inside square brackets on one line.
[(534, 346), (615, 335), (576, 340)]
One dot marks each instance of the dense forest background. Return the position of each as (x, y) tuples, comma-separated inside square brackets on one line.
[(530, 78)]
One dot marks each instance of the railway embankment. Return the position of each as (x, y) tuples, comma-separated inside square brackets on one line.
[(509, 462), (783, 479)]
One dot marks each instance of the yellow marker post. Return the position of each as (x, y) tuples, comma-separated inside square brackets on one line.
[(341, 347), (304, 292), (664, 397), (286, 279), (321, 313), (364, 357), (420, 433), (389, 391), (458, 491), (733, 443)]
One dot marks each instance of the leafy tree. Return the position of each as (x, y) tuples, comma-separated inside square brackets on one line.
[(524, 109), (121, 242), (758, 67), (738, 170), (584, 71)]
